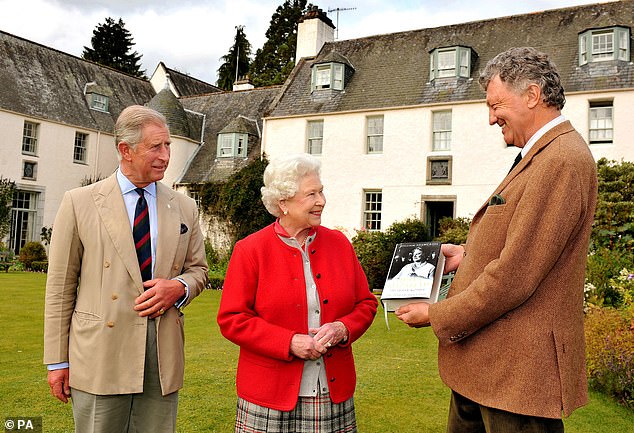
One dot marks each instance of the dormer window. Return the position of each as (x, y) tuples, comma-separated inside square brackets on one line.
[(232, 145), (598, 45), (99, 102), (450, 62), (328, 76)]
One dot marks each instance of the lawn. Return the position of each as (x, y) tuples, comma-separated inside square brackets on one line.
[(398, 385)]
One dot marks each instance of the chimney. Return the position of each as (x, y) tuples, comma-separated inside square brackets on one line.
[(313, 31), (243, 83)]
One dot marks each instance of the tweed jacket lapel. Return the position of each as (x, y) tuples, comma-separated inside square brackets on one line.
[(548, 137), (168, 212), (113, 214)]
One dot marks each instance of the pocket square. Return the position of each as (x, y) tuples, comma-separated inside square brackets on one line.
[(183, 228), (497, 199)]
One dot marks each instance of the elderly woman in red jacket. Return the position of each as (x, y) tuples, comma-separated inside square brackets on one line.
[(294, 300)]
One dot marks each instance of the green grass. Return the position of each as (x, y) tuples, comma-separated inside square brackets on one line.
[(398, 387)]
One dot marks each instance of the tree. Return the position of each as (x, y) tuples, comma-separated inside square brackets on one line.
[(240, 51), (7, 189), (275, 60), (111, 45)]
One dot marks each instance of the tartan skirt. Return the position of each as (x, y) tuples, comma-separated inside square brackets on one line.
[(311, 415)]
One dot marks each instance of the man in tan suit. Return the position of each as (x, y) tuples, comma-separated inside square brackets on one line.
[(511, 340), (113, 340)]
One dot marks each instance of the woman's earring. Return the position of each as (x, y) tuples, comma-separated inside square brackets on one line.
[(285, 212)]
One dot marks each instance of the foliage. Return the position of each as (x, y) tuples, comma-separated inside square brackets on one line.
[(39, 266), (32, 252), (614, 218), (240, 51), (274, 62), (610, 352), (374, 249), (7, 189), (453, 231), (409, 355), (237, 201), (45, 235), (612, 238), (111, 44)]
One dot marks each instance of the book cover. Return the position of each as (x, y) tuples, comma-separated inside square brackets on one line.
[(415, 275)]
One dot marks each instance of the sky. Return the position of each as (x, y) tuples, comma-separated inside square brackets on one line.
[(191, 36)]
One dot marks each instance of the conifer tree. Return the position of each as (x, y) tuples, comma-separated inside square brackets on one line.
[(274, 62), (239, 53), (111, 45)]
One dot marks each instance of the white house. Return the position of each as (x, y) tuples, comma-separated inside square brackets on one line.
[(400, 122)]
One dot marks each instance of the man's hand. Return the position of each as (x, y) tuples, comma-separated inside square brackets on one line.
[(159, 296), (58, 381), (415, 315), (306, 347), (453, 256), (330, 334)]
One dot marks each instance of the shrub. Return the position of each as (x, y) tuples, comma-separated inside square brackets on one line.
[(375, 249), (610, 352), (603, 266), (39, 266), (32, 252), (453, 231)]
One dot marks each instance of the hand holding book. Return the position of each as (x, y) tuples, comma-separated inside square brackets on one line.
[(415, 315)]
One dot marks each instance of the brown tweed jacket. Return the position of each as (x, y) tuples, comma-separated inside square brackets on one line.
[(511, 330)]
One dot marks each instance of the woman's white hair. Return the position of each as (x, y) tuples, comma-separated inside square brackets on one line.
[(282, 177)]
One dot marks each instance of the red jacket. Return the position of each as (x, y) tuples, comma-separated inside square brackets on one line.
[(264, 304)]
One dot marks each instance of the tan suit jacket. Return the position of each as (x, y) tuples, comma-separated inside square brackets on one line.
[(94, 278), (511, 331)]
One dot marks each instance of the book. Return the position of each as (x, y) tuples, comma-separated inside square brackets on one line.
[(415, 275)]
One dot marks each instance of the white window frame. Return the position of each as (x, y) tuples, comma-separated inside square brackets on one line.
[(605, 44), (441, 130), (99, 102), (372, 209), (601, 122), (374, 131), (30, 137), (314, 137), (232, 145), (327, 76), (80, 147), (450, 62)]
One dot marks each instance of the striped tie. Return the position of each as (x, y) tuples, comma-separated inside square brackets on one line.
[(141, 234)]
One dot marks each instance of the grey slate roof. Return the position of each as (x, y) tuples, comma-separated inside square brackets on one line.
[(190, 86), (392, 70), (242, 109), (45, 83)]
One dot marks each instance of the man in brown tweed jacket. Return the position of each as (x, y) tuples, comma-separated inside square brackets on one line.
[(511, 341)]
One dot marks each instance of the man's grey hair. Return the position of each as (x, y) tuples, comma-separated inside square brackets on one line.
[(282, 177), (520, 67), (130, 123)]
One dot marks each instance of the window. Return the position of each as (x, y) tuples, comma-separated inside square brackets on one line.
[(99, 102), (601, 122), (195, 194), (372, 210), (441, 127), (375, 134), (439, 170), (29, 138), (232, 145), (327, 76), (315, 136), (450, 62), (79, 150), (23, 216), (599, 45), (29, 170)]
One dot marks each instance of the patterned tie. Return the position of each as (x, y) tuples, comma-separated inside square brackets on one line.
[(518, 158), (141, 234)]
